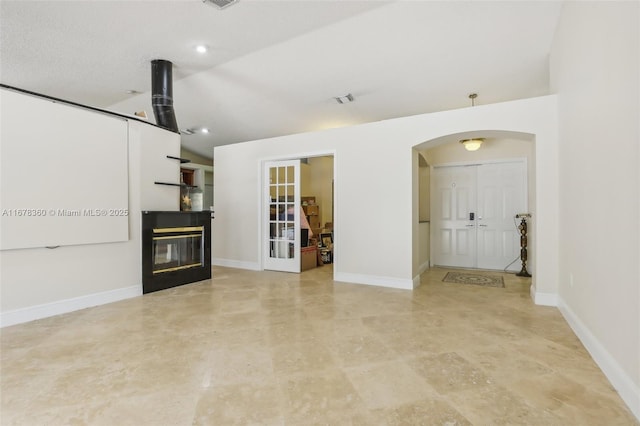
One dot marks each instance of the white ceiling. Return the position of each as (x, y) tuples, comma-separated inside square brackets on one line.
[(274, 66)]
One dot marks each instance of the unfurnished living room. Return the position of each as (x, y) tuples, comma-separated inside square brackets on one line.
[(305, 212)]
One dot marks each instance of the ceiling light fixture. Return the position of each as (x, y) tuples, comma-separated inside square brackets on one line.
[(473, 97), (201, 48), (472, 144), (345, 99), (193, 130)]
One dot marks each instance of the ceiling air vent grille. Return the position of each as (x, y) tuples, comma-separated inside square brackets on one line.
[(220, 4)]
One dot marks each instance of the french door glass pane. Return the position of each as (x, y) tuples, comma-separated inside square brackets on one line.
[(281, 212)]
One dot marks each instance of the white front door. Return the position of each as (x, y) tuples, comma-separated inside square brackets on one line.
[(282, 216), (502, 192), (473, 211), (454, 199)]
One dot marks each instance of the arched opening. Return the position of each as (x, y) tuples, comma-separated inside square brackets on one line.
[(500, 149)]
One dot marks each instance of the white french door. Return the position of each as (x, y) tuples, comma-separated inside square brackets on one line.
[(282, 216), (473, 211)]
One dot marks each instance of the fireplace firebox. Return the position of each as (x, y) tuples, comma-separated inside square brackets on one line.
[(176, 248)]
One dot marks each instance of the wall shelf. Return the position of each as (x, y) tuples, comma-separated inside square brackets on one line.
[(181, 185), (182, 160)]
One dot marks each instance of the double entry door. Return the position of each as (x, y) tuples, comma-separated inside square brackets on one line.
[(473, 214)]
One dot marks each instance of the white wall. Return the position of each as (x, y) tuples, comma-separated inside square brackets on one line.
[(40, 282), (381, 246), (423, 246), (149, 147), (321, 179), (424, 191), (594, 70), (305, 180)]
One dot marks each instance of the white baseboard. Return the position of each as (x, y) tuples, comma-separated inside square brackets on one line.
[(544, 299), (31, 313), (238, 264), (624, 385), (423, 267), (405, 284)]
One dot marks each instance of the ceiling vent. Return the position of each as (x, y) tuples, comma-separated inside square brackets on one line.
[(220, 4)]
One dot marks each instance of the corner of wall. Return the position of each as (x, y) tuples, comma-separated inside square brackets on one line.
[(403, 284), (544, 299), (416, 281)]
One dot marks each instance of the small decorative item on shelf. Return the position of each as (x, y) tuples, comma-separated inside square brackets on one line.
[(185, 199), (196, 199)]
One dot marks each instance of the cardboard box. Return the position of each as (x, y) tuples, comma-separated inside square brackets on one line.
[(314, 222), (308, 200), (312, 210), (308, 258)]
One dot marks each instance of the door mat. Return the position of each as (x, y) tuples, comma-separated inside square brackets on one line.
[(475, 279)]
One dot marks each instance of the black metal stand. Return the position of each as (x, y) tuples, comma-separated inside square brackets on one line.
[(523, 248)]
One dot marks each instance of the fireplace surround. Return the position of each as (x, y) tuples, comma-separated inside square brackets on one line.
[(176, 248)]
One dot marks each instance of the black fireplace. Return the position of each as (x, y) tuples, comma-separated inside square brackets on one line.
[(176, 248)]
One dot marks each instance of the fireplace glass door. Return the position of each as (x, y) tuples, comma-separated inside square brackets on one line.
[(177, 248)]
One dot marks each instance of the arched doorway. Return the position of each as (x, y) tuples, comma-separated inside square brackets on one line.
[(500, 148)]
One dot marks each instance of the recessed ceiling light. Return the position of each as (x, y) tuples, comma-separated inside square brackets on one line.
[(193, 130), (132, 92), (201, 48)]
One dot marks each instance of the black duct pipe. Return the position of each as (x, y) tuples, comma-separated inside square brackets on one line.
[(162, 94)]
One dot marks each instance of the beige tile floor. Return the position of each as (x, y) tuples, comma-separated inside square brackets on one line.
[(286, 349)]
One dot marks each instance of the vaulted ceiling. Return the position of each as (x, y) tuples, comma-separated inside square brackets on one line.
[(274, 67)]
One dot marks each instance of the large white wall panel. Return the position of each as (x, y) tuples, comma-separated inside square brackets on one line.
[(63, 176)]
